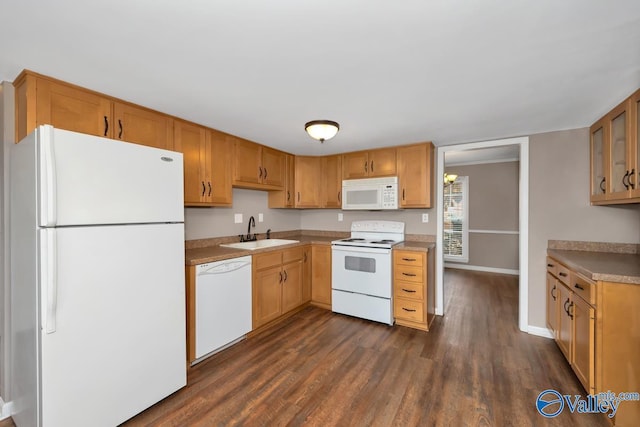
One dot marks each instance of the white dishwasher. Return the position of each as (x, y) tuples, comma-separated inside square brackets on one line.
[(223, 304)]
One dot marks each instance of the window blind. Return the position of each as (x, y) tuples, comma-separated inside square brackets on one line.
[(456, 235)]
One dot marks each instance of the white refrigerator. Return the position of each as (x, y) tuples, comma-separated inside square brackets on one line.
[(97, 279)]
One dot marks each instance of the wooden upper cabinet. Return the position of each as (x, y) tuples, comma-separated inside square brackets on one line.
[(256, 166), (285, 198), (369, 164), (142, 126), (332, 178), (415, 175), (41, 101), (191, 140), (615, 155), (308, 174), (220, 163)]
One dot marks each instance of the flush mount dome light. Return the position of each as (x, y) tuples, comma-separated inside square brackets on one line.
[(322, 129)]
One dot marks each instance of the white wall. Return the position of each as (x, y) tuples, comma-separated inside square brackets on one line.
[(202, 223), (6, 139), (559, 207)]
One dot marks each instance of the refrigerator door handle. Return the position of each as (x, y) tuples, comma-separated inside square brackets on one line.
[(49, 279), (48, 178)]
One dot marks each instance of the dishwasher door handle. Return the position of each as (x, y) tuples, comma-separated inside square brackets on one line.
[(225, 267)]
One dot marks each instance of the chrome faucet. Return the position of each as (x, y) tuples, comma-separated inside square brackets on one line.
[(252, 221)]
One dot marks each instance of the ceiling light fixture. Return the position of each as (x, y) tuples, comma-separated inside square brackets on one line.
[(322, 129), (449, 178)]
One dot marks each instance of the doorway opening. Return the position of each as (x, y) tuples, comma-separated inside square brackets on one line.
[(494, 236)]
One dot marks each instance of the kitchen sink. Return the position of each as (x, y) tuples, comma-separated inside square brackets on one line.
[(259, 244)]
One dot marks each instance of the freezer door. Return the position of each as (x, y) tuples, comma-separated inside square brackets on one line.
[(112, 326), (85, 179)]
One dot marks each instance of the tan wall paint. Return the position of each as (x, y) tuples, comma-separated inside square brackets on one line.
[(493, 205), (327, 219), (201, 223), (559, 207)]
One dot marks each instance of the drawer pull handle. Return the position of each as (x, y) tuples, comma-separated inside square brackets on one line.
[(409, 259), (578, 286), (562, 274), (412, 291), (408, 309), (409, 274), (549, 265)]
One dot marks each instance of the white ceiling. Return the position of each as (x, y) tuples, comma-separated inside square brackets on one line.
[(449, 71)]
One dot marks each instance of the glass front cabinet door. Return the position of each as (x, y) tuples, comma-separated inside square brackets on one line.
[(599, 161)]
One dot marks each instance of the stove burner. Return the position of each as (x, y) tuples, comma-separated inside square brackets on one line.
[(353, 239), (384, 241)]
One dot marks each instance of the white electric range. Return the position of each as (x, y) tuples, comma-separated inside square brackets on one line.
[(361, 274)]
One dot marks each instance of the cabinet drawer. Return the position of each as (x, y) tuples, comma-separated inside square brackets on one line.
[(293, 254), (409, 290), (552, 266), (266, 260), (408, 310), (583, 287), (408, 258), (408, 273), (563, 274)]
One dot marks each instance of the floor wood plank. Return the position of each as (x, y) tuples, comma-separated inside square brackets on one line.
[(474, 368)]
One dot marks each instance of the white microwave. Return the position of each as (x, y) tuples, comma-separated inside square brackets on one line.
[(370, 193)]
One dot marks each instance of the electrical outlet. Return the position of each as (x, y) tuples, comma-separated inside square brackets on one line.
[(237, 218), (260, 217), (425, 217), (340, 217)]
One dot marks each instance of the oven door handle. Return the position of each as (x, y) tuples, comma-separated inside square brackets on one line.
[(360, 249)]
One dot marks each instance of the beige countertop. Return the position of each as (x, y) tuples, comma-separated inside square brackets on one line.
[(214, 252), (605, 266)]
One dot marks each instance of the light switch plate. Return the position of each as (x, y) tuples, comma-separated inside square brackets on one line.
[(340, 217), (425, 217), (237, 218), (260, 217)]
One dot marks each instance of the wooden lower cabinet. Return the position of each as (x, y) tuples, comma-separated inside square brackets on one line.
[(276, 284), (321, 276), (552, 304), (413, 288), (306, 273), (597, 331)]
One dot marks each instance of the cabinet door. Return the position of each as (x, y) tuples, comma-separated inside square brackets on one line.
[(552, 305), (332, 174), (382, 162), (321, 275), (634, 178), (415, 175), (142, 126), (564, 321), (306, 274), (291, 286), (599, 160), (191, 141), (355, 165), (290, 184), (273, 167), (267, 302), (619, 159), (583, 342), (220, 164), (71, 108), (307, 171), (247, 170)]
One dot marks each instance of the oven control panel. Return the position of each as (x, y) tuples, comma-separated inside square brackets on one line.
[(390, 197)]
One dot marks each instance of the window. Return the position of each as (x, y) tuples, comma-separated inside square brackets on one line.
[(456, 220)]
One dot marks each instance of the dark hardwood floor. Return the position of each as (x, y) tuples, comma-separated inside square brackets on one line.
[(321, 369)]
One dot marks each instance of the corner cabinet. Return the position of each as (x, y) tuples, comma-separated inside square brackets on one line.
[(615, 156), (285, 198), (413, 288), (307, 181), (592, 326), (415, 175)]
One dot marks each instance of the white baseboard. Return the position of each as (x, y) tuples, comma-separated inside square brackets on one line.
[(5, 409), (541, 332), (481, 268)]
